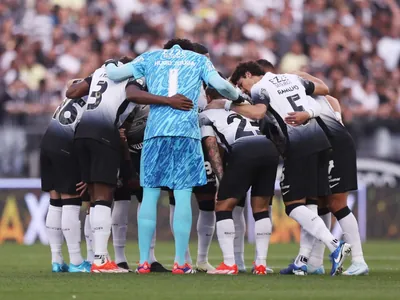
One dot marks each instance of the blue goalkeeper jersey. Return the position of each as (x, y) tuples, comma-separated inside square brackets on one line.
[(170, 72)]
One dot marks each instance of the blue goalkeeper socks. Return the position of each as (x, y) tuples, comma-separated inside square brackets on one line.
[(182, 223), (147, 221)]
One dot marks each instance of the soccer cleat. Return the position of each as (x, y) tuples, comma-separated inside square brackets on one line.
[(158, 268), (84, 267), (59, 268), (269, 270), (106, 267), (185, 269), (124, 265), (259, 270), (357, 268), (143, 268), (338, 256), (288, 270), (311, 270), (204, 267), (300, 271), (224, 269)]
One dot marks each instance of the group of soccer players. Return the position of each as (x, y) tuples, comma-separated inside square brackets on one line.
[(138, 120)]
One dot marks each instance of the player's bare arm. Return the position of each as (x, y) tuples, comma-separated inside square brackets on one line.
[(134, 94), (78, 88), (214, 156), (320, 88), (334, 103)]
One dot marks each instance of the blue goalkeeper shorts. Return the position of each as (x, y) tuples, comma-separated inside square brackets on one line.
[(173, 162)]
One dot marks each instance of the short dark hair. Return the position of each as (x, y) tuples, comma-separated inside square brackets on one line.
[(200, 48), (250, 66), (265, 65), (125, 59), (185, 44)]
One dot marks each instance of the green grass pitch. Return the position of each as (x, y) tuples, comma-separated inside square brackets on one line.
[(25, 274)]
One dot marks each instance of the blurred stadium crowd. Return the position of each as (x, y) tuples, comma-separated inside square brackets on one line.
[(354, 45)]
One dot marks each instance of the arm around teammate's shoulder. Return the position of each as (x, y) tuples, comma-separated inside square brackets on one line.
[(78, 88), (135, 94), (313, 85), (254, 112)]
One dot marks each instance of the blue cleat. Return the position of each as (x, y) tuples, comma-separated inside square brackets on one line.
[(338, 256), (288, 270), (84, 267), (300, 271), (59, 268)]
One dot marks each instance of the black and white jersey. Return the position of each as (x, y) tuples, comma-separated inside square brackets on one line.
[(331, 124), (59, 135), (284, 93), (106, 109), (227, 126)]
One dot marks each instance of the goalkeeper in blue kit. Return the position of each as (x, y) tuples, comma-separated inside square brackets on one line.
[(172, 154)]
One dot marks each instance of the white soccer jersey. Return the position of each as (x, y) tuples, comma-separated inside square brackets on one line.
[(226, 126), (106, 110), (285, 93)]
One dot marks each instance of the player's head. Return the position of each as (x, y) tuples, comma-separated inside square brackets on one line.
[(201, 49), (246, 75), (266, 65), (211, 93), (125, 59), (185, 44)]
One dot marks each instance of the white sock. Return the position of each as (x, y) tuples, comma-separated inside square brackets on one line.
[(263, 229), (314, 225), (316, 259), (188, 258), (54, 233), (89, 239), (226, 236), (91, 218), (119, 227), (351, 235), (102, 230), (240, 230), (306, 242), (205, 232), (71, 227)]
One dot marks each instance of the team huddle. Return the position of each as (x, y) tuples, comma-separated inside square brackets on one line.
[(167, 120)]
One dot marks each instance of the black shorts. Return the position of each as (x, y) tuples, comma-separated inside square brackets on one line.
[(59, 172), (210, 188), (122, 192), (304, 177), (98, 162), (252, 163), (343, 166)]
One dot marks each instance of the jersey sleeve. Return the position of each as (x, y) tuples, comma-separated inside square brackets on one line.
[(259, 95), (208, 70), (308, 85), (140, 83), (206, 126)]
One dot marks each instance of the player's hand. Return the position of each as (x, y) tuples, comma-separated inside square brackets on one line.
[(81, 188), (297, 118), (179, 101), (215, 104), (122, 135)]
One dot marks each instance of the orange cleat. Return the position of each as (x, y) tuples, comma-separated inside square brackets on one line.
[(224, 269), (143, 268), (185, 269), (259, 270), (106, 267)]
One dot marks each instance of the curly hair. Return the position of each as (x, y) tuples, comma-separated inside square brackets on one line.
[(250, 66), (185, 44)]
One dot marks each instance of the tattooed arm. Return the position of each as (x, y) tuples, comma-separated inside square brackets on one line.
[(214, 156)]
